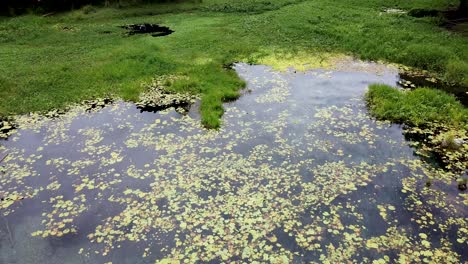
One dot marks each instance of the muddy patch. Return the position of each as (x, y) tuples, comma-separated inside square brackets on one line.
[(153, 29)]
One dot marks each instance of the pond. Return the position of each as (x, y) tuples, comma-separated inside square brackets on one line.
[(299, 172)]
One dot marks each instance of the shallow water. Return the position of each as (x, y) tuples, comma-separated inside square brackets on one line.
[(299, 172)]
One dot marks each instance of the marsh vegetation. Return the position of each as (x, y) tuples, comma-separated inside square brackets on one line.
[(126, 134), (49, 62)]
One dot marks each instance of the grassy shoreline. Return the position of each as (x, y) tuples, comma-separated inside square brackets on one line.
[(419, 107), (435, 121), (49, 62)]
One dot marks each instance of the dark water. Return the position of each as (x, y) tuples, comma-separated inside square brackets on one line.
[(460, 92), (298, 173), (153, 29)]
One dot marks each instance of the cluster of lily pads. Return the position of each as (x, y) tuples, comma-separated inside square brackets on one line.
[(444, 145), (419, 74), (157, 97), (437, 143), (11, 124), (282, 181), (97, 103), (6, 128), (406, 84)]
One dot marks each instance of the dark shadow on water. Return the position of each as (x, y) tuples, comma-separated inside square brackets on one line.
[(458, 91), (184, 106)]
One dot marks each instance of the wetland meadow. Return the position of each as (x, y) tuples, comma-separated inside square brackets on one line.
[(217, 131)]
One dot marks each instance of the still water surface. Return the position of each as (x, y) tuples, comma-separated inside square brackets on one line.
[(298, 172)]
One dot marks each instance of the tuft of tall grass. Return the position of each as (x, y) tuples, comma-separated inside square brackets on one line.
[(456, 71)]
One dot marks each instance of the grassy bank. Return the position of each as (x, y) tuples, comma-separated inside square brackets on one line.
[(48, 62), (436, 122), (420, 107)]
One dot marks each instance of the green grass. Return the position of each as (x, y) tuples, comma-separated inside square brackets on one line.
[(49, 62), (420, 107)]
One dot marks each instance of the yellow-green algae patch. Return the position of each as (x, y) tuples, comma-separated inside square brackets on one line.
[(305, 60), (283, 60)]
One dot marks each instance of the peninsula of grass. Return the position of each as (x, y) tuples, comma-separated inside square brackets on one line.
[(433, 118), (419, 107), (49, 62)]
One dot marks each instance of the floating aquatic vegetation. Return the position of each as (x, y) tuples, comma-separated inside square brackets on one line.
[(282, 60), (406, 84), (55, 113), (33, 120), (157, 97), (298, 173), (7, 128), (450, 147), (303, 61), (97, 103), (412, 78)]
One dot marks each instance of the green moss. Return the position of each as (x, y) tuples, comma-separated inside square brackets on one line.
[(422, 106)]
